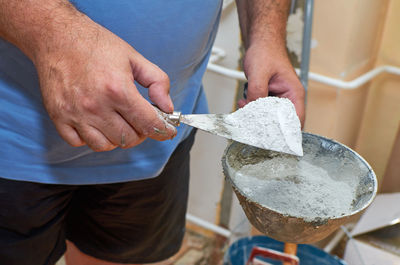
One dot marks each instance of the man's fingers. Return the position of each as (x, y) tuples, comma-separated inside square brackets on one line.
[(141, 114), (242, 103), (144, 118), (152, 77), (152, 124), (299, 105), (258, 72), (297, 96), (95, 139), (69, 134), (289, 86), (162, 130), (118, 131), (159, 94), (257, 89), (258, 81)]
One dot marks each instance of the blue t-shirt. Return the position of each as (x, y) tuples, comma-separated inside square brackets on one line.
[(176, 35)]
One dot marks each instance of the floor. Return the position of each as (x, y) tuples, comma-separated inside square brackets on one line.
[(196, 250)]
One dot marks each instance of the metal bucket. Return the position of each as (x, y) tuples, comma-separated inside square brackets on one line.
[(286, 228)]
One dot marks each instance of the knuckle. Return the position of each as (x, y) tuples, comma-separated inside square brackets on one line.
[(113, 90), (60, 108), (153, 95), (257, 87), (257, 90), (164, 79), (161, 80), (89, 105), (66, 108)]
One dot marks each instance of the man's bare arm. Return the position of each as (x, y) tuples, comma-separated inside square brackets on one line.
[(87, 75), (266, 64), (263, 21), (35, 26)]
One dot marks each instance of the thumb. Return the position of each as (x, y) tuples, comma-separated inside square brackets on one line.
[(242, 102), (156, 80), (258, 80), (257, 88)]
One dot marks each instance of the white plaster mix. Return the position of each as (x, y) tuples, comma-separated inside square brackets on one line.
[(270, 123)]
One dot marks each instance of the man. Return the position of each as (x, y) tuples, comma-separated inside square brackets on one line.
[(76, 80)]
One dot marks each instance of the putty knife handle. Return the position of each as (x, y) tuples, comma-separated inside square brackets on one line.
[(173, 118)]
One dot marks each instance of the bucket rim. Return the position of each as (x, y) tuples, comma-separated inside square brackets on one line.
[(348, 215)]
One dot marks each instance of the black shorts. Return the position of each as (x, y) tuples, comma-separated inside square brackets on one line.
[(132, 222)]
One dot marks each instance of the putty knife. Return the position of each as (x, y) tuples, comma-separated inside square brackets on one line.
[(212, 123), (215, 124)]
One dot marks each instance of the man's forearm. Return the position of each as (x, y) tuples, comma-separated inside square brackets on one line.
[(263, 22), (34, 26), (266, 62)]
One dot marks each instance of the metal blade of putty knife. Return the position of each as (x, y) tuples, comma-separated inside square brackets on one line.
[(212, 123), (215, 124)]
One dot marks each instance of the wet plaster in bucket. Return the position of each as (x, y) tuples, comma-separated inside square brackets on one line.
[(310, 187)]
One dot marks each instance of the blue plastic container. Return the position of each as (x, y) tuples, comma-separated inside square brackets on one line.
[(239, 252)]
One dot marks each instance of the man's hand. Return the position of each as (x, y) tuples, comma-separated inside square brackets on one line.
[(88, 89), (266, 63), (87, 79), (271, 73)]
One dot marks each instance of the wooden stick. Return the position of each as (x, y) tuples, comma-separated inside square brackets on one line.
[(291, 249)]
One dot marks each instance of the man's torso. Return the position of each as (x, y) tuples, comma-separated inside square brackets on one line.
[(175, 35)]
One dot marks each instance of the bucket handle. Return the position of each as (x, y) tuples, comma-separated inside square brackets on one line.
[(272, 254)]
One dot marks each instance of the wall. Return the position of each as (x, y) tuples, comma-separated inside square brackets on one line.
[(352, 38), (346, 34), (382, 113)]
